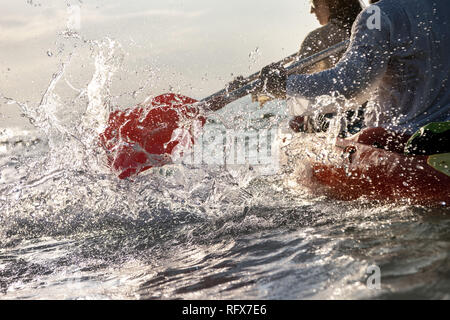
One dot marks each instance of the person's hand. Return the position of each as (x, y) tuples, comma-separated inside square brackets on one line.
[(297, 124), (310, 124), (273, 81)]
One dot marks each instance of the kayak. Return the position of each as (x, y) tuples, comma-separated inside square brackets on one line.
[(372, 173), (148, 135)]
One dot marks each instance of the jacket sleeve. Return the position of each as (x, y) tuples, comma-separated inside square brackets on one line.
[(364, 61)]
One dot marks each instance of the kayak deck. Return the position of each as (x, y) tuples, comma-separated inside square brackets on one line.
[(377, 174)]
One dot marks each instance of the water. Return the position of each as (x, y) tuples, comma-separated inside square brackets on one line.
[(74, 232), (298, 249), (69, 229)]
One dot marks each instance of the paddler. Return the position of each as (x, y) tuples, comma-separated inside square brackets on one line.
[(399, 52), (336, 18)]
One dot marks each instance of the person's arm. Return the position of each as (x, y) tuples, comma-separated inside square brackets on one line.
[(364, 61)]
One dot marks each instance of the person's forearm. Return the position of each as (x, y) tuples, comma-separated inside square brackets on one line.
[(348, 79), (365, 60)]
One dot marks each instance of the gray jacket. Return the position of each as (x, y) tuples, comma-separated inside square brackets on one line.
[(407, 59)]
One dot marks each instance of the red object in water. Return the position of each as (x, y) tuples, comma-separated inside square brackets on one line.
[(377, 174), (140, 138)]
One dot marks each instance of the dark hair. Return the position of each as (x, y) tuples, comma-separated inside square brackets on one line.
[(344, 11)]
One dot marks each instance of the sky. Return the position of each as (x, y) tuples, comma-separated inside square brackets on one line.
[(193, 47)]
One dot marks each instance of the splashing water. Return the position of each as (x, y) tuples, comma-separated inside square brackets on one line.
[(70, 229)]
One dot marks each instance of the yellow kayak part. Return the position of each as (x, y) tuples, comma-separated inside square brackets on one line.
[(440, 162)]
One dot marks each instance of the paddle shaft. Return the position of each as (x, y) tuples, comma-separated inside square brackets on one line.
[(221, 98)]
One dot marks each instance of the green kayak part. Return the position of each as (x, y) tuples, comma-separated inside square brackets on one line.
[(440, 162), (432, 138)]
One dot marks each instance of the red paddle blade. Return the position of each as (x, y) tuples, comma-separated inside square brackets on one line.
[(143, 137)]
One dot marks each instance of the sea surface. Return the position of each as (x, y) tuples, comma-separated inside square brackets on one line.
[(70, 229)]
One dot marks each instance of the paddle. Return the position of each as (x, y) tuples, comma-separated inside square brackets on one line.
[(145, 136)]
